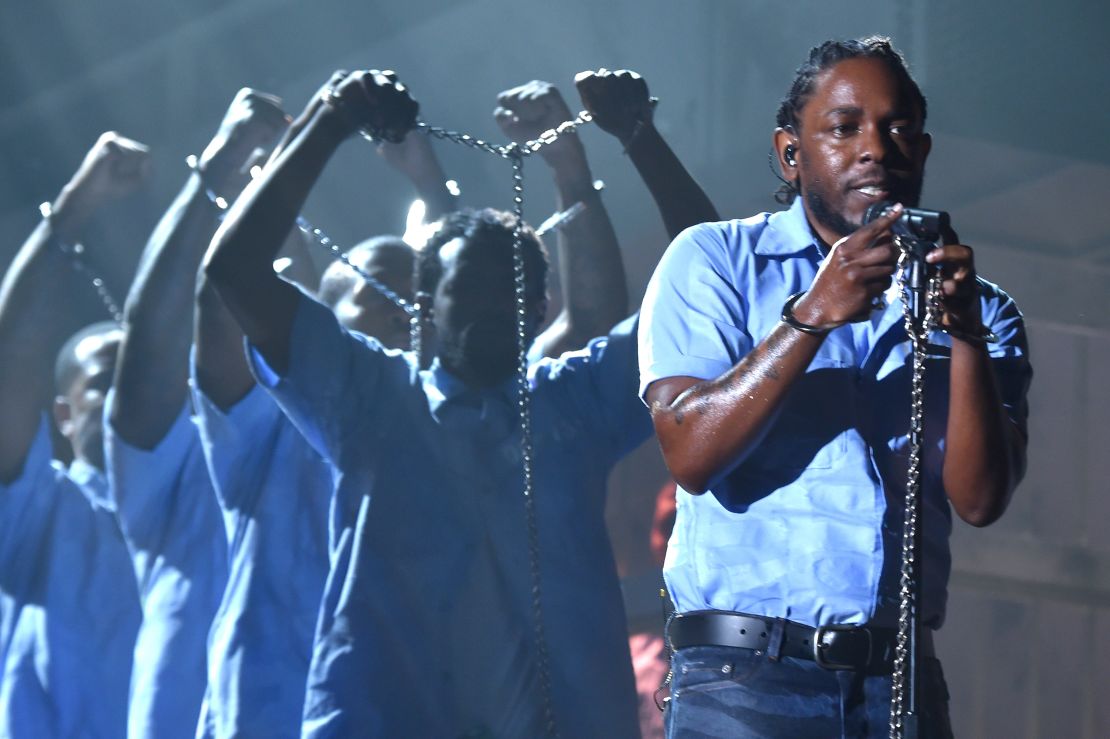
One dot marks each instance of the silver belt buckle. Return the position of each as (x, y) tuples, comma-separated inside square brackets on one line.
[(818, 644)]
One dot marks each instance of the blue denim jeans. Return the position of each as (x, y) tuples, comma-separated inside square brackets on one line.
[(734, 693)]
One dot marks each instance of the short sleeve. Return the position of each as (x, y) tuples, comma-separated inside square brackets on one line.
[(330, 371), (600, 382), (144, 483), (1010, 354), (237, 443), (692, 321), (25, 503)]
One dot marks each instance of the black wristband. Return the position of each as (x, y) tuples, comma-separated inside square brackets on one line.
[(789, 319), (986, 337)]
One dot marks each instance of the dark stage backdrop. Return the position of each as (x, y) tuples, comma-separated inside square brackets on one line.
[(1017, 107)]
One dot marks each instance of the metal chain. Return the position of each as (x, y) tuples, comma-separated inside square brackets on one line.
[(527, 452), (76, 253), (412, 309), (516, 154), (508, 151), (909, 573)]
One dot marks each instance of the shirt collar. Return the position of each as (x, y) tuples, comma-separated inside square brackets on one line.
[(93, 483), (443, 388), (787, 232)]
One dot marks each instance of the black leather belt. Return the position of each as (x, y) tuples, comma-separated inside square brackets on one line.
[(865, 648)]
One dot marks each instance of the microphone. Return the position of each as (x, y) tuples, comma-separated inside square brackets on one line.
[(923, 229), (915, 223)]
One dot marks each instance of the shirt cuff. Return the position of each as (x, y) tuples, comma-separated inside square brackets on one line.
[(699, 367)]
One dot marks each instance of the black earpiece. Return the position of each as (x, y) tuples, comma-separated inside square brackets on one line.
[(789, 153)]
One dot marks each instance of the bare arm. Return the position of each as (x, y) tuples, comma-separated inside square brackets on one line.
[(595, 292), (152, 371), (415, 157), (621, 105), (706, 428), (33, 320), (239, 263), (222, 372), (985, 451)]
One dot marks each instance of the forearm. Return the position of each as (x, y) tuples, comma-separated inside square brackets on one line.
[(591, 270), (222, 372), (34, 322), (680, 199), (240, 260), (430, 182), (152, 372), (984, 450), (708, 428)]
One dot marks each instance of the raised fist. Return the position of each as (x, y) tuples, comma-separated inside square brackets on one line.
[(525, 112), (375, 102), (114, 167), (252, 124), (618, 101)]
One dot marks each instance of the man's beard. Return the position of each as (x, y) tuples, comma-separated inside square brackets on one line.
[(826, 216), (482, 354)]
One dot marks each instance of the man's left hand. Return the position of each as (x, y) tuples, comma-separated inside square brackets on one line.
[(527, 111), (252, 124), (959, 295)]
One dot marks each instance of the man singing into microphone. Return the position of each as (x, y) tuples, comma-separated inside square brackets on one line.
[(777, 368)]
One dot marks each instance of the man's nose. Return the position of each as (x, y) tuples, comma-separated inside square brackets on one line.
[(876, 144)]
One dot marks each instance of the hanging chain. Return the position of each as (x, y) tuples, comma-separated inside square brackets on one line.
[(76, 257), (412, 309), (527, 453), (515, 153), (910, 571), (76, 254)]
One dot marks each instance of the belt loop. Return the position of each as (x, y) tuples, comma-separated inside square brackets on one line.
[(774, 644)]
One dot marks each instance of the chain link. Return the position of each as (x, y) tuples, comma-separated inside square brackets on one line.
[(76, 253), (412, 309), (909, 572), (512, 150), (515, 153)]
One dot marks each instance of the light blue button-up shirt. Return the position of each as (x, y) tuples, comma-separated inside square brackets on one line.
[(66, 567), (178, 550), (808, 527), (428, 484), (274, 490)]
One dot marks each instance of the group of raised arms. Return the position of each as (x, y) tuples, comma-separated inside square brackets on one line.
[(282, 518), (370, 503)]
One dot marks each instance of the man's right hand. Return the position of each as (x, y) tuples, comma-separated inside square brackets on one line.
[(857, 270), (618, 101), (375, 101), (251, 125), (113, 168)]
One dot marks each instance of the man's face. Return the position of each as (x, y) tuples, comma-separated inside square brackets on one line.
[(80, 408), (474, 314), (362, 308), (860, 141)]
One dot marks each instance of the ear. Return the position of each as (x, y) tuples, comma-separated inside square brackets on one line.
[(63, 415), (783, 138), (926, 147)]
